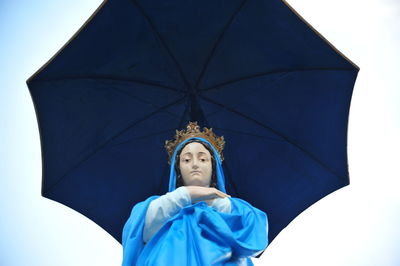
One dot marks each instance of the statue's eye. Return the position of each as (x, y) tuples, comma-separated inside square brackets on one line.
[(186, 160)]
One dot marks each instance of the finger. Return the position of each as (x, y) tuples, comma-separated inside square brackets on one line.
[(225, 195), (221, 194)]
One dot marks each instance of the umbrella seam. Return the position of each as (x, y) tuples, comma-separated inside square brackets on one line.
[(276, 133), (180, 125), (271, 73), (217, 43), (47, 190), (108, 79), (144, 101), (246, 133), (152, 26), (144, 136), (124, 92), (231, 182)]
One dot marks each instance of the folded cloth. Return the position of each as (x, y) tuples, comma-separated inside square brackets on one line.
[(168, 205), (196, 234)]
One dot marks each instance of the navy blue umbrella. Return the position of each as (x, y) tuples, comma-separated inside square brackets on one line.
[(254, 71)]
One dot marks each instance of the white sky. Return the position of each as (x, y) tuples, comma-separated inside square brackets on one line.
[(355, 226)]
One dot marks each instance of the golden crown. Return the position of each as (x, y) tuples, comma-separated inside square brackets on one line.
[(193, 130)]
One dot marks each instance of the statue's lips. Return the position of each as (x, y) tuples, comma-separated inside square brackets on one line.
[(195, 172)]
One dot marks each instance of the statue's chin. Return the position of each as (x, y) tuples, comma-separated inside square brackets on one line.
[(196, 180), (198, 183)]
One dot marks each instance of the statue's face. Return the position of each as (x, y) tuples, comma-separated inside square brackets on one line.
[(195, 165)]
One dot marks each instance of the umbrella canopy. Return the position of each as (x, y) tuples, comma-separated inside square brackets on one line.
[(254, 71)]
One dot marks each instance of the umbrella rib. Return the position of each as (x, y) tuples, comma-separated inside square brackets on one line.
[(217, 43), (275, 132), (143, 101), (145, 82), (153, 27), (181, 120), (145, 136), (285, 71), (180, 125), (246, 133), (231, 181), (273, 81), (110, 139)]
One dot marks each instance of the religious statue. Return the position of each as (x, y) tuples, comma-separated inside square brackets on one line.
[(196, 222)]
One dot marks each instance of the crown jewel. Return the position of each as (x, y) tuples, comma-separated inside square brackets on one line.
[(193, 130)]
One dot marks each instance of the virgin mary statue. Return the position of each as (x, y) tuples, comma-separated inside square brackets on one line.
[(195, 222)]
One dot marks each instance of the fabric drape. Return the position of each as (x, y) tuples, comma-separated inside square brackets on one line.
[(197, 235)]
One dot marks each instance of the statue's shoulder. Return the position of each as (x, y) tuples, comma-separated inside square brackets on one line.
[(242, 206)]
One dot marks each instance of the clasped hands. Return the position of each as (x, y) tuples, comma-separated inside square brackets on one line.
[(207, 194)]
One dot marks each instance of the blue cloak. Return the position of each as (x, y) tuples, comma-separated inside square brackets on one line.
[(198, 234)]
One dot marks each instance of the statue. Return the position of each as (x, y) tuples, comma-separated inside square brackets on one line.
[(196, 222)]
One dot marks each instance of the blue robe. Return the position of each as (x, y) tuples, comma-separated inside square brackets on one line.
[(197, 235)]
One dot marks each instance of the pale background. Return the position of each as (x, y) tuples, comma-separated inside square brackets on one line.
[(358, 225)]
